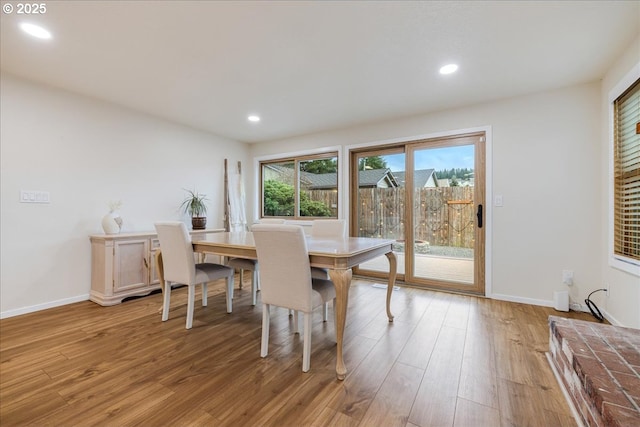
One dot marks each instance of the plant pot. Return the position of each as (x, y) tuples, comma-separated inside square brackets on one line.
[(199, 222)]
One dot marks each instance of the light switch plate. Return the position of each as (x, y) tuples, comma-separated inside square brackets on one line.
[(33, 196)]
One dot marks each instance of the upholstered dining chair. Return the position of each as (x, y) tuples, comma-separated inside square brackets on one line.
[(285, 277), (179, 267), (331, 229), (251, 265)]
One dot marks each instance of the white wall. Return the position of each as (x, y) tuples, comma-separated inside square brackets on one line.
[(87, 153), (546, 165), (623, 303)]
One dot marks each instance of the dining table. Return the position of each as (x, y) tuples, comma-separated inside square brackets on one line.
[(337, 255)]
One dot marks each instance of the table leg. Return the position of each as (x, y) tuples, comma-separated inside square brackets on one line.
[(160, 272), (342, 281), (393, 267)]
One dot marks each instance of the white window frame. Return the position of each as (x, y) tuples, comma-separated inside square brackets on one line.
[(616, 261)]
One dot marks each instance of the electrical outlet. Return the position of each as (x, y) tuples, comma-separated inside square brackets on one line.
[(567, 277)]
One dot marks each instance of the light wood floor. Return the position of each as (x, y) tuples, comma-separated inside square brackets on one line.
[(447, 360)]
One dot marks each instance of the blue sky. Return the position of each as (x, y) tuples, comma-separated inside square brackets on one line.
[(435, 158)]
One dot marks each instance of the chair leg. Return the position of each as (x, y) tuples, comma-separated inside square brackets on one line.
[(191, 298), (167, 300), (264, 345), (296, 326), (325, 311), (230, 293), (254, 289), (306, 346), (241, 278), (204, 294)]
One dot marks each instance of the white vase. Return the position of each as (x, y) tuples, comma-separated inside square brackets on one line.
[(112, 223)]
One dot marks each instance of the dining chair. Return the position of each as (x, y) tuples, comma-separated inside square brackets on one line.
[(180, 267), (251, 265), (285, 277)]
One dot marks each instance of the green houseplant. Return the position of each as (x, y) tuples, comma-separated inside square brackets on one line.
[(194, 205)]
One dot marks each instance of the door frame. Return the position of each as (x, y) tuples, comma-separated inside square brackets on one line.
[(488, 207), (479, 199)]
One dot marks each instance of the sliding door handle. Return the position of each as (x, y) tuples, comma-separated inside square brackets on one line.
[(479, 216)]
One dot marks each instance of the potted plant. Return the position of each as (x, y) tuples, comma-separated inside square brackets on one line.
[(194, 205)]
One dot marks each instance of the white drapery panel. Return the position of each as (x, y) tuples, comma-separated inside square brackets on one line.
[(237, 214)]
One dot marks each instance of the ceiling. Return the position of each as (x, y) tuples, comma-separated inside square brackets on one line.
[(310, 66)]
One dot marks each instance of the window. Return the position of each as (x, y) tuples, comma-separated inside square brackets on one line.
[(300, 187), (626, 175)]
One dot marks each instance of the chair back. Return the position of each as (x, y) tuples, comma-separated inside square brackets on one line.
[(268, 221), (177, 252), (285, 273), (329, 228), (271, 221)]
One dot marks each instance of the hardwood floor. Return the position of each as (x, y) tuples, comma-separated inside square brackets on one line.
[(447, 360)]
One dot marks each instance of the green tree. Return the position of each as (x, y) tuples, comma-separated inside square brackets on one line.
[(320, 166), (312, 207), (279, 200), (463, 173), (373, 162)]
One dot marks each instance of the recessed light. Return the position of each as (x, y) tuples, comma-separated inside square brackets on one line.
[(35, 31), (253, 118), (448, 69)]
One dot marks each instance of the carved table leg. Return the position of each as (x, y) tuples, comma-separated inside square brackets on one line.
[(341, 280), (393, 267)]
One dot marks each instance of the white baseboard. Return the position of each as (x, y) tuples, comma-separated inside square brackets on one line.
[(611, 319), (549, 303), (511, 298), (44, 306)]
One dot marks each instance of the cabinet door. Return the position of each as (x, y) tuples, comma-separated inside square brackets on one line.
[(155, 244), (131, 266)]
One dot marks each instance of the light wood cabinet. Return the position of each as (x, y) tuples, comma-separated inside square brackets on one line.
[(123, 265)]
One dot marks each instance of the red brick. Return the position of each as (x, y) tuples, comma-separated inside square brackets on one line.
[(587, 356), (604, 390), (631, 385), (614, 362), (618, 416)]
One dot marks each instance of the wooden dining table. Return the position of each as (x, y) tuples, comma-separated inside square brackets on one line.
[(337, 255)]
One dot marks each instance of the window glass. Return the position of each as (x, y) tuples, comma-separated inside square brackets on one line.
[(304, 187), (319, 187)]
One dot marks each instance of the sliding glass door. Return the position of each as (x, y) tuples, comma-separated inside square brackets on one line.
[(428, 195), (378, 207)]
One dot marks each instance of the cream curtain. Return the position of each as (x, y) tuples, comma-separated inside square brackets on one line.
[(237, 214)]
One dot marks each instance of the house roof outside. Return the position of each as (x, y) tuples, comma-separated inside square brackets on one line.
[(374, 177), (321, 181), (420, 177), (367, 179)]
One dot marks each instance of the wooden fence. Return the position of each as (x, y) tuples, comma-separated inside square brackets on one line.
[(443, 216)]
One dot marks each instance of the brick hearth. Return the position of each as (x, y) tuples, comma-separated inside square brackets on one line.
[(599, 366)]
